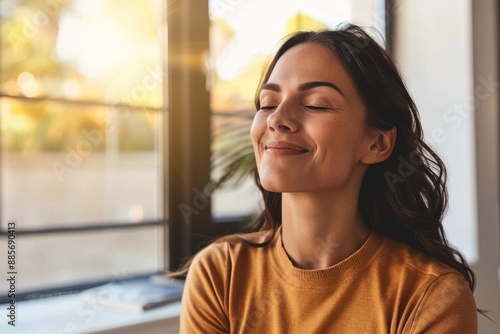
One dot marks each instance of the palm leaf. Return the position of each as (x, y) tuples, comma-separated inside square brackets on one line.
[(233, 158)]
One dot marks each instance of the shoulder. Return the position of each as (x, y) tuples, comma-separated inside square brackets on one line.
[(224, 251), (447, 306), (438, 297), (205, 300), (412, 275), (403, 257), (212, 268)]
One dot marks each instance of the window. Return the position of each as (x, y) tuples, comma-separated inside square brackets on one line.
[(82, 113), (103, 177)]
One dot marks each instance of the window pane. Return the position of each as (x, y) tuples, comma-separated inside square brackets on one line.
[(66, 165), (231, 145), (81, 134), (243, 35), (92, 50), (52, 260)]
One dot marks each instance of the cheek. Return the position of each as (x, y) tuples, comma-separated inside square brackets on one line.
[(338, 146)]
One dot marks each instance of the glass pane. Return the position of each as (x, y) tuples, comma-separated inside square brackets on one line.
[(231, 145), (51, 260), (243, 35), (80, 49), (66, 165)]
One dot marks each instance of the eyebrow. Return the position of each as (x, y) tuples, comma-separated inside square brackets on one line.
[(305, 86)]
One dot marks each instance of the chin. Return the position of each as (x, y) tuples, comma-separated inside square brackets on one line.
[(280, 181), (278, 187), (271, 185)]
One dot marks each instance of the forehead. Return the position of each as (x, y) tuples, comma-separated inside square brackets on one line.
[(310, 62)]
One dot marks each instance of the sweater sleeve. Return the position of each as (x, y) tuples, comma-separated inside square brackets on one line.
[(448, 307), (203, 301)]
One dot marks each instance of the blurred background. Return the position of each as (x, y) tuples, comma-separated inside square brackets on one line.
[(118, 119)]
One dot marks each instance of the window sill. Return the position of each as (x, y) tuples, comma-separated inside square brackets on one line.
[(70, 314)]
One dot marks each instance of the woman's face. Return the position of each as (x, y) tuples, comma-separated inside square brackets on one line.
[(310, 133)]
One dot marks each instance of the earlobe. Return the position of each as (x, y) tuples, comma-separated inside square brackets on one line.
[(381, 146)]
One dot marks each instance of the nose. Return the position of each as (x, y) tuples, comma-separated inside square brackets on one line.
[(282, 119)]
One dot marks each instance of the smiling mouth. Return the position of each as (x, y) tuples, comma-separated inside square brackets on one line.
[(285, 148)]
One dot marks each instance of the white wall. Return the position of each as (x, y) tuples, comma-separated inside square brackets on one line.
[(447, 51), (434, 50)]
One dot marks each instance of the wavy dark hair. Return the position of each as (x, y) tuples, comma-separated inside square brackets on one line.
[(405, 196)]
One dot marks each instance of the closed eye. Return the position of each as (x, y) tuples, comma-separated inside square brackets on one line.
[(267, 107), (317, 108)]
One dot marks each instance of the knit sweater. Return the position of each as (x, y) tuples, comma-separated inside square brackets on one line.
[(384, 287)]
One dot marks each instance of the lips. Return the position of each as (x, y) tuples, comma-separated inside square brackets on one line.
[(281, 147)]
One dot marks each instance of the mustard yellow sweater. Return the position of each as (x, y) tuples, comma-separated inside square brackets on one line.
[(385, 287)]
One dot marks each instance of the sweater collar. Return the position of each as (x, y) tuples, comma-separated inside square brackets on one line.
[(315, 278)]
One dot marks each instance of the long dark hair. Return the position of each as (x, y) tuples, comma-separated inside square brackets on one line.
[(405, 196)]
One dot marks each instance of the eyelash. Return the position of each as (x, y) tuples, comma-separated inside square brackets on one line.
[(308, 107), (316, 108)]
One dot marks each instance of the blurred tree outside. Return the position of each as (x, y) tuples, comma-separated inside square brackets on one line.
[(234, 92), (63, 63)]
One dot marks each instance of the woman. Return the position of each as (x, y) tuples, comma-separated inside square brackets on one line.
[(350, 240)]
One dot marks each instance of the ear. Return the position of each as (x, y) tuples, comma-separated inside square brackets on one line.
[(381, 145)]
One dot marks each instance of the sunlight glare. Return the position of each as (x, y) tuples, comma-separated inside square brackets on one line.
[(96, 44), (29, 87)]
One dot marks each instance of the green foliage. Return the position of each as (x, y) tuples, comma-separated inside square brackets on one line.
[(233, 157)]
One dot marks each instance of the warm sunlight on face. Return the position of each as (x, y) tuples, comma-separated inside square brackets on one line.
[(310, 133)]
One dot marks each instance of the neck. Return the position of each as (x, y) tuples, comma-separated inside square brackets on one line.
[(320, 230)]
